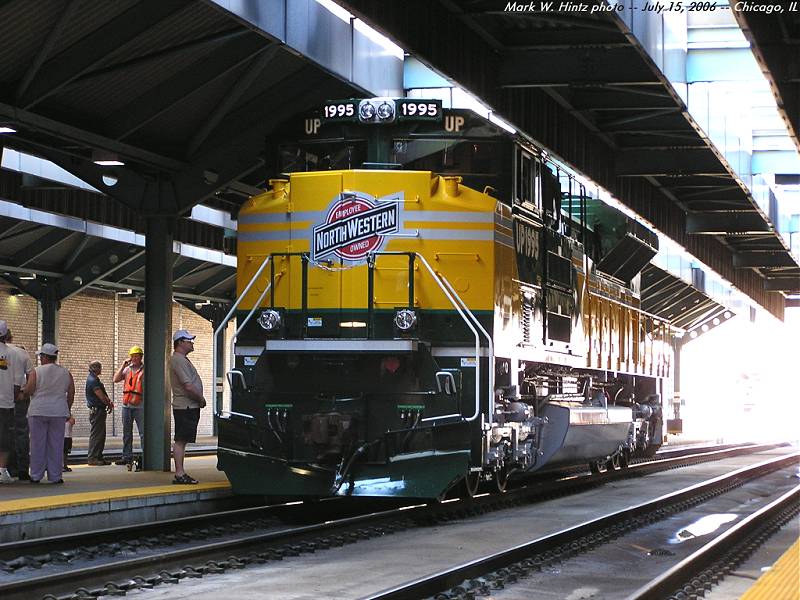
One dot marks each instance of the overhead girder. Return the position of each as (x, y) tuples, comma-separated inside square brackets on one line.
[(107, 258), (782, 284), (564, 67), (773, 39), (41, 245), (743, 260), (229, 158), (95, 48), (608, 98), (46, 47), (639, 162), (83, 138), (235, 51), (726, 222)]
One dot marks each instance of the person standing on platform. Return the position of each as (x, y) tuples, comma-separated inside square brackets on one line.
[(21, 459), (52, 391), (132, 373), (187, 400), (8, 393), (68, 442), (100, 406)]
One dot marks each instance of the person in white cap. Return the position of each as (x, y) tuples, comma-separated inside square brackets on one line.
[(187, 400), (52, 391), (8, 394)]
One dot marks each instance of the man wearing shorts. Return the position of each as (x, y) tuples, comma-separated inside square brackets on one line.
[(187, 400)]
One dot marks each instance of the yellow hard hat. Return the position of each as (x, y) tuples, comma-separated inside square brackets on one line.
[(135, 350)]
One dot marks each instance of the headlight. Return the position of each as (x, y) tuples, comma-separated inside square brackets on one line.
[(366, 111), (385, 111), (405, 319), (270, 319)]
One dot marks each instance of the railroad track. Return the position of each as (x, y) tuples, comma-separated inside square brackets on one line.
[(252, 537), (691, 578)]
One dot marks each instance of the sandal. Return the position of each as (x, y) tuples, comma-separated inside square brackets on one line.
[(184, 480)]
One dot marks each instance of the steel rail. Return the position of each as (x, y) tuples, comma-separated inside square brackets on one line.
[(121, 570), (670, 582), (449, 578), (70, 541)]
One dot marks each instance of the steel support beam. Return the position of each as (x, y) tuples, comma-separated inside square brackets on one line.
[(720, 223), (546, 68), (49, 304), (158, 341), (640, 162), (782, 284), (762, 259), (142, 110), (93, 49), (40, 246)]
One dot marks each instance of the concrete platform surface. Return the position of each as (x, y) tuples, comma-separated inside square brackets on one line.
[(107, 496), (110, 482)]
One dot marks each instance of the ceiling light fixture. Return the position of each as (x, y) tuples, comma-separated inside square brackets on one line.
[(7, 129), (104, 158)]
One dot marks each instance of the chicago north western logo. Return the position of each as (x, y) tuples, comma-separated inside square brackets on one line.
[(354, 226)]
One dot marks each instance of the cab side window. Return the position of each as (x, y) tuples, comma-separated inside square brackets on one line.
[(527, 180)]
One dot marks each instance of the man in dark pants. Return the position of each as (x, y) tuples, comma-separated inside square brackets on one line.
[(99, 406), (20, 457)]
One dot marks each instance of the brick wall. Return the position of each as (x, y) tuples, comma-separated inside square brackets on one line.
[(102, 326)]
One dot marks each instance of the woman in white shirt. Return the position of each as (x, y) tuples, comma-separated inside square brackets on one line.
[(52, 391)]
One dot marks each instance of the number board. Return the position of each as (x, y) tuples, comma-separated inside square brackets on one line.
[(410, 109), (341, 110)]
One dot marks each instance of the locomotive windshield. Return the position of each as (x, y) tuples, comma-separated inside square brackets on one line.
[(322, 156)]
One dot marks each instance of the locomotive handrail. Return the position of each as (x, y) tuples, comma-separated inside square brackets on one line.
[(218, 330), (458, 308), (488, 340), (256, 306)]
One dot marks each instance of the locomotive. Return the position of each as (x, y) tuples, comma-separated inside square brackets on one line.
[(427, 303)]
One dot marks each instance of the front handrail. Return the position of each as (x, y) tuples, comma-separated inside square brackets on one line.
[(256, 306), (218, 330), (458, 308), (485, 334)]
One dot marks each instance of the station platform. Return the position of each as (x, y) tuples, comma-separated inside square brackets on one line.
[(782, 581), (96, 497)]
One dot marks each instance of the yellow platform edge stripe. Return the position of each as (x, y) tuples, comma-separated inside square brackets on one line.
[(77, 499), (782, 581)]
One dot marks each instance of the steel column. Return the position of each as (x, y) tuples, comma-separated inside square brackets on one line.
[(49, 304), (157, 341)]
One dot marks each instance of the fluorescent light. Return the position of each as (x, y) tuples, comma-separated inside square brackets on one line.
[(28, 277), (380, 39), (501, 123), (352, 324), (7, 129), (109, 163)]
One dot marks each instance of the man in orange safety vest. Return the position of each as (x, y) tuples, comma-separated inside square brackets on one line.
[(132, 374)]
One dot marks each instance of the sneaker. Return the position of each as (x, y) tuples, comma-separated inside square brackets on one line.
[(138, 466), (184, 480), (57, 481), (66, 470), (121, 461), (6, 478), (34, 480)]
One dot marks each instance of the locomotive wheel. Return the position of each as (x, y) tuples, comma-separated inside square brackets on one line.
[(612, 464), (500, 480), (597, 466), (470, 483), (624, 459)]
